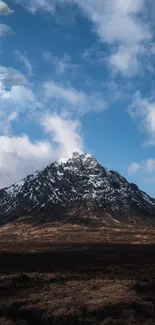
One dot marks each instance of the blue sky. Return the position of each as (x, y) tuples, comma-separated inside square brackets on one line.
[(77, 74)]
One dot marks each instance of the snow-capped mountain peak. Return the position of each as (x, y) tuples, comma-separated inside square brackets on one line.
[(76, 183)]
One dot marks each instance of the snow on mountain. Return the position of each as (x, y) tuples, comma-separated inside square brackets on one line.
[(76, 183)]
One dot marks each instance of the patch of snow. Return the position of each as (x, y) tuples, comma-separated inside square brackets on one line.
[(145, 196), (62, 160)]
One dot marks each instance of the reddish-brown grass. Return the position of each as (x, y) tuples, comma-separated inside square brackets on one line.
[(76, 283)]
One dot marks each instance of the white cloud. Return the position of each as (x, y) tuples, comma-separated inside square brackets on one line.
[(19, 96), (5, 30), (15, 96), (19, 156), (48, 56), (146, 166), (64, 132), (150, 165), (125, 60), (115, 21), (149, 180), (37, 5), (73, 98), (4, 9), (118, 23), (6, 122), (133, 168), (23, 59), (12, 116), (149, 143), (69, 94), (18, 99)]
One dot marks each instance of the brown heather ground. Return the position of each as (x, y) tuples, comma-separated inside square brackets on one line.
[(25, 232), (68, 274)]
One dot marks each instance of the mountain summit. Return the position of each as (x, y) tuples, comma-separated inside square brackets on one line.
[(76, 189)]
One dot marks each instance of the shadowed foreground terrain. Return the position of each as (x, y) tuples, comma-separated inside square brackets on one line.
[(76, 283)]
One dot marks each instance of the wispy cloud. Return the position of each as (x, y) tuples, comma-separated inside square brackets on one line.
[(125, 60), (4, 9), (133, 168), (25, 61), (150, 165), (6, 122), (144, 170), (75, 98), (61, 64), (69, 94), (5, 30), (38, 5)]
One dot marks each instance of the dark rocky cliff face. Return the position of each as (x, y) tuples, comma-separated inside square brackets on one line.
[(77, 187)]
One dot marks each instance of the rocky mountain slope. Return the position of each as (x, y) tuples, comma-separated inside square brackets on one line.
[(76, 189)]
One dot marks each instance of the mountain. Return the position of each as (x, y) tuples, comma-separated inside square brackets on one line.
[(76, 189)]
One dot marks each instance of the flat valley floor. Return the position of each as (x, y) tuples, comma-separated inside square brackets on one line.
[(76, 280)]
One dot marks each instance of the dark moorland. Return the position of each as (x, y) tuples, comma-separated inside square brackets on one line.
[(64, 284)]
